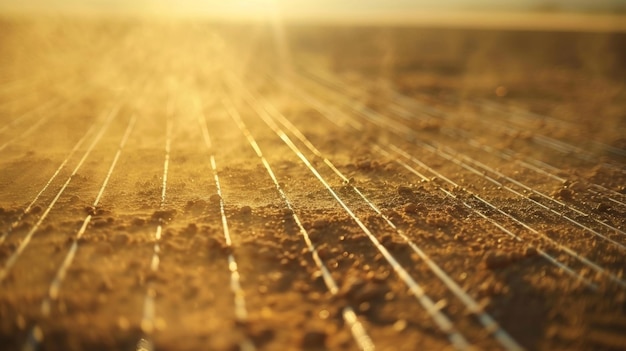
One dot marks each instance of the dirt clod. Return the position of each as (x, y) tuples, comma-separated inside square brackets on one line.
[(138, 222), (90, 210), (164, 215), (314, 339), (530, 251), (121, 239), (320, 224), (245, 211), (410, 208), (215, 199), (497, 259), (405, 190)]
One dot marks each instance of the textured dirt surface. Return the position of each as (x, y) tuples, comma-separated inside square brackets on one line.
[(374, 170)]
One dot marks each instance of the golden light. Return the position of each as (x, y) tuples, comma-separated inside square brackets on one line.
[(312, 175)]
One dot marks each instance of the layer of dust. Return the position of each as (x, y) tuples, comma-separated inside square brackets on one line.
[(483, 83)]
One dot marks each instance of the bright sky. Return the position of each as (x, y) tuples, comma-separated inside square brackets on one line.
[(501, 14), (311, 7)]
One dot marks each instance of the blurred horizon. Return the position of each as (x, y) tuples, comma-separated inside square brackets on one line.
[(560, 15), (246, 8)]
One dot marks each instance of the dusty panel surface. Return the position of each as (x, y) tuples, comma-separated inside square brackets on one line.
[(191, 185)]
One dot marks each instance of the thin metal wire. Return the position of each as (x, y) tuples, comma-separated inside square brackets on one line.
[(359, 334), (381, 122), (35, 334), (440, 319), (241, 312), (27, 238), (484, 318), (323, 109)]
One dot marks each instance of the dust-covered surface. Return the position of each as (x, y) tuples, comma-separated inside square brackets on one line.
[(430, 181)]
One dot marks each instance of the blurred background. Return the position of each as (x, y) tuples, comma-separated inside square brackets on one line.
[(425, 11), (320, 7)]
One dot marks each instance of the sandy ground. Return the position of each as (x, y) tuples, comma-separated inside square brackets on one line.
[(185, 186)]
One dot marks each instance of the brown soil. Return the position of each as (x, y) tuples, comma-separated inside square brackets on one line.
[(480, 109)]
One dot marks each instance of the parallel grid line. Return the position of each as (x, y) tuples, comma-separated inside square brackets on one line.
[(349, 316), (438, 149), (323, 109), (532, 164), (25, 133), (26, 114), (555, 144), (560, 203), (148, 315), (510, 155), (29, 207), (540, 251), (473, 307), (241, 312), (523, 115), (475, 144), (442, 321), (564, 248), (26, 240), (430, 111), (35, 334)]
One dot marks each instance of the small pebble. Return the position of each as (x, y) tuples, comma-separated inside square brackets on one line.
[(410, 208), (324, 314), (121, 239), (399, 325), (320, 223), (123, 323), (246, 210), (314, 339), (138, 221), (405, 190), (215, 198), (105, 248), (315, 235), (530, 251), (106, 285), (192, 228), (364, 306), (495, 259)]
